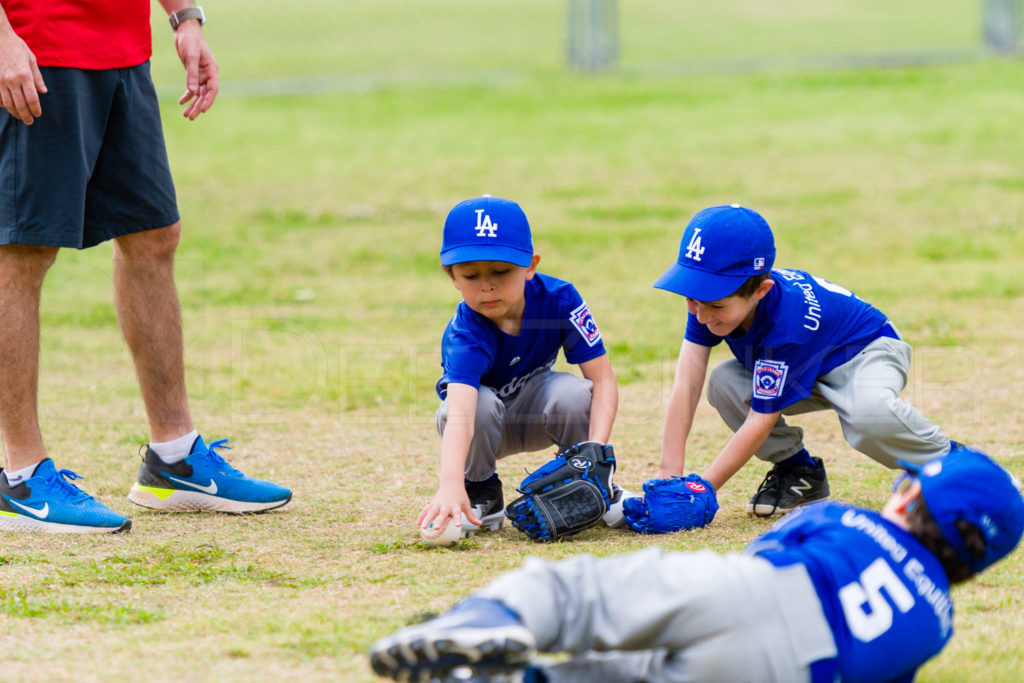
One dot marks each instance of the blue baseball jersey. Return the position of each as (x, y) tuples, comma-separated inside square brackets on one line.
[(475, 352), (803, 328), (884, 594)]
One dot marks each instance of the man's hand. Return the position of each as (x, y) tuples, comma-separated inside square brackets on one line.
[(20, 79), (200, 69)]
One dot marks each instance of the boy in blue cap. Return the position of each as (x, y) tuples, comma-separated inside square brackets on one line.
[(499, 394), (832, 592), (800, 344)]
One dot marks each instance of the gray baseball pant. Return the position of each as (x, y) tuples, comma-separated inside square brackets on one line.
[(696, 616), (864, 392), (552, 408)]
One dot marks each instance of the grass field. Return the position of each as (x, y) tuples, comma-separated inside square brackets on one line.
[(313, 306)]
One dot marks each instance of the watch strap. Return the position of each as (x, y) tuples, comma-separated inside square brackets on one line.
[(176, 18)]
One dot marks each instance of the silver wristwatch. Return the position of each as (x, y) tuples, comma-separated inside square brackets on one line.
[(185, 14)]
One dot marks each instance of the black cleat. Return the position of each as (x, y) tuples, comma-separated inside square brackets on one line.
[(788, 486), (488, 503)]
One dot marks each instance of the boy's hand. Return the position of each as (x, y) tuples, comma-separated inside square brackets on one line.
[(450, 501)]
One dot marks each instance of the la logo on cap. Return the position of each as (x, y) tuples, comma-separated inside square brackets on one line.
[(694, 250), (484, 226)]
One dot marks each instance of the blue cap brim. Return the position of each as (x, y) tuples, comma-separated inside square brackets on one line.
[(698, 284), (464, 254)]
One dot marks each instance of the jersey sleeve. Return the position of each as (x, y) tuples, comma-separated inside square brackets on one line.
[(699, 333), (581, 338), (787, 532), (465, 356)]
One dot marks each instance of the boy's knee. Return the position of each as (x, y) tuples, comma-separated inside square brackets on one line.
[(572, 398), (722, 384), (489, 411)]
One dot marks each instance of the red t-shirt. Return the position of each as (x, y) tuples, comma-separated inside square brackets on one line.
[(83, 34)]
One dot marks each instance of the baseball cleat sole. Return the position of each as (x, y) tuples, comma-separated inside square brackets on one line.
[(764, 510), (491, 522), (487, 651)]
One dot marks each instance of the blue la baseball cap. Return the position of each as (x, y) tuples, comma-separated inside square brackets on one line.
[(969, 485), (487, 229), (721, 248)]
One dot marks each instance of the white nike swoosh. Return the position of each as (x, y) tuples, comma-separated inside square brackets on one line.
[(41, 513), (210, 488)]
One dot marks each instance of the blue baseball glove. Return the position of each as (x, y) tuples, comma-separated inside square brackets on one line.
[(672, 504), (568, 494)]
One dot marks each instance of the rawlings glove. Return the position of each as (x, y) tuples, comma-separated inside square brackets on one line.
[(671, 504), (568, 494)]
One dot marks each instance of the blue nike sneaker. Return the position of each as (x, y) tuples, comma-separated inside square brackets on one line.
[(48, 501), (203, 481), (477, 633)]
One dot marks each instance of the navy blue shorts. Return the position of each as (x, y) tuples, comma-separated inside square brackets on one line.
[(93, 167)]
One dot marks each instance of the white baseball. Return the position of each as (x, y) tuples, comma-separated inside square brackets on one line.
[(443, 535)]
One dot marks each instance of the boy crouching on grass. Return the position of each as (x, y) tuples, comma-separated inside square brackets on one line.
[(800, 344), (499, 394)]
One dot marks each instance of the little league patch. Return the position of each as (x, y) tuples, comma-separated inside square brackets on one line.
[(583, 321), (769, 378)]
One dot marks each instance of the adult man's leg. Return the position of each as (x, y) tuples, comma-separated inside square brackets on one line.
[(22, 269), (147, 309), (34, 496), (150, 316)]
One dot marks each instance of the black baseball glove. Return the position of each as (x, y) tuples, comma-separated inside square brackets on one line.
[(568, 494)]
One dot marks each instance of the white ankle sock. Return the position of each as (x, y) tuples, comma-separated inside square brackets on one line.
[(177, 450), (17, 476)]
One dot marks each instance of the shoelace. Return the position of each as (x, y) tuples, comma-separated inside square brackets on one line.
[(770, 482), (61, 485), (220, 463)]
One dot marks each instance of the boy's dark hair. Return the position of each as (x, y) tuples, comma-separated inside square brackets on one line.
[(923, 527), (448, 269), (748, 288)]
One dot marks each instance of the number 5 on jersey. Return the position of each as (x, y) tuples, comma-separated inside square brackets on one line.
[(868, 624)]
